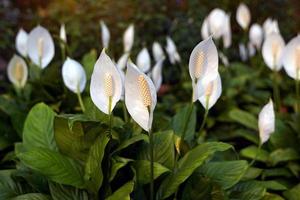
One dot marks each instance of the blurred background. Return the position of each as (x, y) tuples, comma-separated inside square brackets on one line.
[(154, 20)]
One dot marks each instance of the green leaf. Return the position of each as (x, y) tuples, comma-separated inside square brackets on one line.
[(252, 173), (131, 141), (8, 187), (226, 173), (283, 155), (293, 194), (142, 168), (59, 192), (116, 164), (38, 128), (273, 185), (270, 196), (249, 190), (163, 149), (186, 166), (123, 192), (53, 165), (253, 152), (93, 174), (88, 61), (244, 118), (32, 196)]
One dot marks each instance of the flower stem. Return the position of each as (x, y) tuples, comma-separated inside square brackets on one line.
[(151, 161), (125, 112), (63, 52), (297, 94), (276, 92), (204, 116), (80, 100), (256, 155)]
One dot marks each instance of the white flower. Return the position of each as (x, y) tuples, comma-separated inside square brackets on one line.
[(204, 29), (251, 49), (256, 35), (266, 122), (40, 46), (291, 58), (227, 32), (157, 52), (243, 16), (270, 26), (211, 91), (21, 42), (172, 51), (74, 76), (157, 74), (143, 60), (121, 64), (203, 64), (140, 96), (224, 59), (62, 33), (106, 84), (17, 71), (105, 34), (272, 49), (216, 22), (128, 38), (243, 52)]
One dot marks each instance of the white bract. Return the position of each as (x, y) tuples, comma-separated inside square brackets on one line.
[(211, 91), (203, 65), (128, 38), (243, 52), (106, 84), (205, 29), (251, 49), (227, 32), (62, 33), (17, 71), (256, 35), (291, 58), (266, 122), (140, 96), (157, 51), (143, 60), (243, 16), (216, 22), (121, 64), (270, 26), (21, 42), (105, 34), (272, 49), (157, 74), (172, 51), (74, 76), (40, 46)]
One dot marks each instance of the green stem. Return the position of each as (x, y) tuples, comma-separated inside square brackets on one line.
[(276, 92), (205, 116), (152, 166), (297, 81), (80, 100), (125, 112), (63, 52), (256, 155)]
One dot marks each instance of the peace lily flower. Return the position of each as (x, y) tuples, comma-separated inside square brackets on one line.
[(74, 76), (121, 64), (270, 26), (204, 29), (105, 34), (157, 52), (106, 84), (266, 122), (251, 49), (17, 71), (243, 52), (62, 33), (271, 51), (157, 74), (216, 21), (128, 38), (243, 16), (140, 96), (40, 46), (224, 59), (256, 35), (143, 60), (227, 32), (21, 42), (203, 65), (172, 51)]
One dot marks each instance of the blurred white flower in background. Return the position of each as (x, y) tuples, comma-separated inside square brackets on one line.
[(62, 33), (128, 38), (243, 52), (243, 16), (172, 51), (157, 51), (17, 71), (40, 46), (157, 74), (143, 60), (266, 122), (21, 42), (217, 22), (270, 26), (105, 34), (251, 49), (256, 35), (204, 29), (121, 64), (227, 32)]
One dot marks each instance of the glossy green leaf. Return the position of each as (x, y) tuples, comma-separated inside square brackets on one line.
[(293, 193), (59, 192), (249, 190), (123, 192), (132, 140), (244, 118), (253, 152), (32, 196), (283, 155), (116, 164)]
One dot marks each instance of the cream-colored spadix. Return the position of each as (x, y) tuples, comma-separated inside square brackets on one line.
[(104, 34), (128, 38), (21, 42), (266, 122), (140, 96), (143, 60), (106, 84), (243, 16), (17, 71)]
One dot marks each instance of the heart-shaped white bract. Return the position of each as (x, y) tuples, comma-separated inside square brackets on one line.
[(143, 60), (140, 96), (17, 71), (251, 49), (106, 83), (291, 58), (128, 38), (243, 16), (157, 51), (62, 33), (211, 91), (227, 33), (256, 35), (203, 64), (243, 52), (105, 34), (121, 64), (266, 122), (270, 26), (205, 29), (74, 76), (272, 49), (40, 46), (216, 22), (157, 74), (172, 51), (21, 42)]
